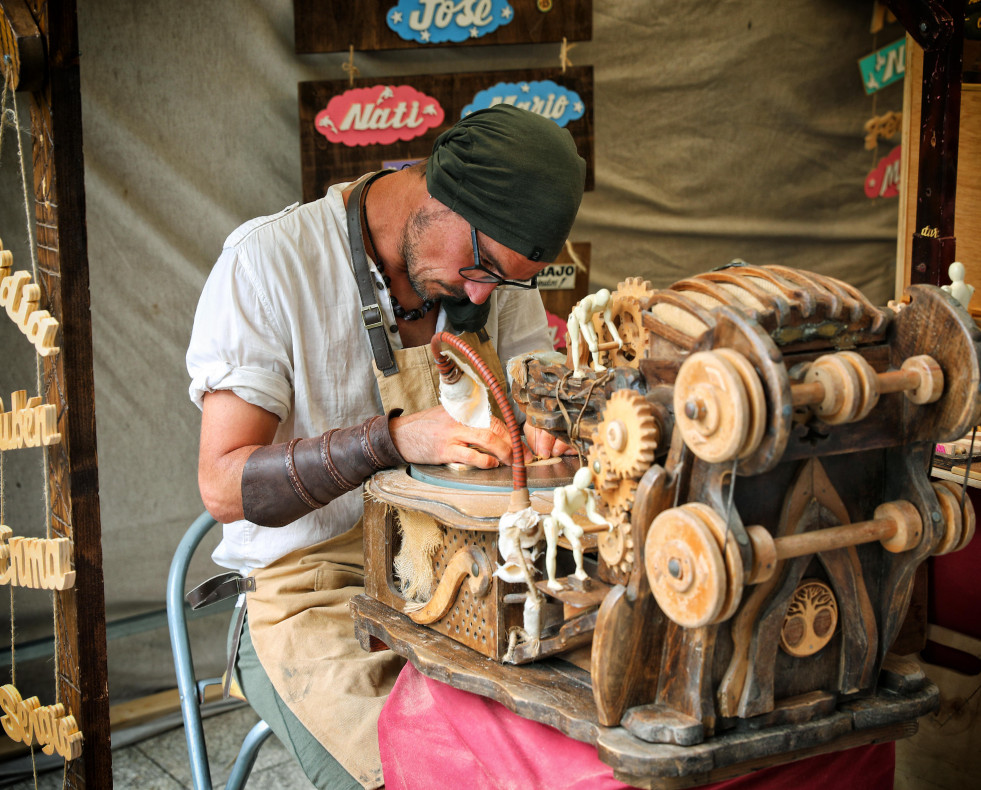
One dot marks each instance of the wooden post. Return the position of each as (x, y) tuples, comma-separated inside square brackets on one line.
[(938, 27), (59, 197)]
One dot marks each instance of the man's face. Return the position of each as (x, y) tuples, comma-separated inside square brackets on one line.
[(435, 244)]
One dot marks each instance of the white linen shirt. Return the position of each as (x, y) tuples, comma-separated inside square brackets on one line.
[(279, 324)]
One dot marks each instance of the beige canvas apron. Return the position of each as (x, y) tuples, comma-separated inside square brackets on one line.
[(300, 622)]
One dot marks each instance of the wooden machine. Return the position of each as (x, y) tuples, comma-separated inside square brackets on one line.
[(759, 441)]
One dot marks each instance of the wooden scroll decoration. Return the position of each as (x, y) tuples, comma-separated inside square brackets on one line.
[(406, 24), (39, 41), (348, 128)]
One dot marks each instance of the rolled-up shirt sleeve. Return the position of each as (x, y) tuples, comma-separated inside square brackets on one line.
[(236, 343)]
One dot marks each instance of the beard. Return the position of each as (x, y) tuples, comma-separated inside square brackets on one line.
[(422, 276)]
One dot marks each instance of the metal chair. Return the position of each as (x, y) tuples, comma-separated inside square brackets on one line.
[(191, 689)]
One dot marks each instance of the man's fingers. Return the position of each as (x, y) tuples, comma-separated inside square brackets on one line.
[(491, 441), (473, 457)]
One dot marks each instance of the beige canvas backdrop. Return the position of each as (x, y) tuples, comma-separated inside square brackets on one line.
[(723, 130)]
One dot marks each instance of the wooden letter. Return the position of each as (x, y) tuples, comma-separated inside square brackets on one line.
[(28, 721), (21, 297), (35, 562), (29, 423)]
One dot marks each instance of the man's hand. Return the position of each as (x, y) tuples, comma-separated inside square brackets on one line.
[(544, 445), (434, 437)]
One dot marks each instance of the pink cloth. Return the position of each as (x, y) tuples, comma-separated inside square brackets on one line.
[(435, 736)]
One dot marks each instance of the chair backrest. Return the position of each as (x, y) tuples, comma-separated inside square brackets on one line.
[(191, 689)]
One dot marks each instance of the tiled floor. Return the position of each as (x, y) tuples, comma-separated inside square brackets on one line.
[(161, 762)]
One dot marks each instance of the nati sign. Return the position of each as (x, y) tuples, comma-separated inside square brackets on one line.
[(438, 21), (379, 115), (557, 277), (546, 98)]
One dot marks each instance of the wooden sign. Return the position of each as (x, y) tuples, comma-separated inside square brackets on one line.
[(20, 296), (882, 127), (406, 24), (30, 722), (43, 564), (562, 284), (381, 114), (348, 130), (883, 181), (884, 66)]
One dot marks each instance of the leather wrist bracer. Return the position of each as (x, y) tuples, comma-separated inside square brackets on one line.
[(281, 482)]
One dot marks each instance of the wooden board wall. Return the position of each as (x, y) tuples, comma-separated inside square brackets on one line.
[(334, 27), (324, 163)]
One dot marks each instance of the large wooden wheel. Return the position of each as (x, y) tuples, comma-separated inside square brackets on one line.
[(685, 567), (719, 405)]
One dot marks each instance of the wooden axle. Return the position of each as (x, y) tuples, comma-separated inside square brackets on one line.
[(720, 406), (844, 387), (807, 394), (696, 572), (897, 525)]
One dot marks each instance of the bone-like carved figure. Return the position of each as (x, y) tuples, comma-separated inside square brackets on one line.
[(959, 289), (580, 323), (566, 501)]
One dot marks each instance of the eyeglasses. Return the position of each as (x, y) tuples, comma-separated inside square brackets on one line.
[(478, 273)]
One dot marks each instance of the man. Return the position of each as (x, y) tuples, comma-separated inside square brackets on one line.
[(309, 359)]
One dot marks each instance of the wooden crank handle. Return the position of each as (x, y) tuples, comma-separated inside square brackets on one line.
[(897, 525), (466, 562)]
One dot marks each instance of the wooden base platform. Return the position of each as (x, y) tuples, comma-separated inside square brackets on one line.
[(559, 694)]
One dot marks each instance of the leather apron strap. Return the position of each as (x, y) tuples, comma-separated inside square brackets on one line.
[(371, 314)]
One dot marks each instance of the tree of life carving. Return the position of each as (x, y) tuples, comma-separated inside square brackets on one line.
[(811, 619)]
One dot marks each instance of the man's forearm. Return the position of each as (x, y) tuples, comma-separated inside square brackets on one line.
[(282, 482)]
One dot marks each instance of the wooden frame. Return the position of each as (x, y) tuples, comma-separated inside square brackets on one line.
[(59, 200)]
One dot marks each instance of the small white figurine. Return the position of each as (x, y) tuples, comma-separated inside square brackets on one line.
[(567, 500), (959, 289), (581, 323)]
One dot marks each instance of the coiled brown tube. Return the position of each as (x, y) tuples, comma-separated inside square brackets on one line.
[(447, 366)]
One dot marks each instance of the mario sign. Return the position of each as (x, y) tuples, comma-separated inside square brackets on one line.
[(381, 114), (544, 97)]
